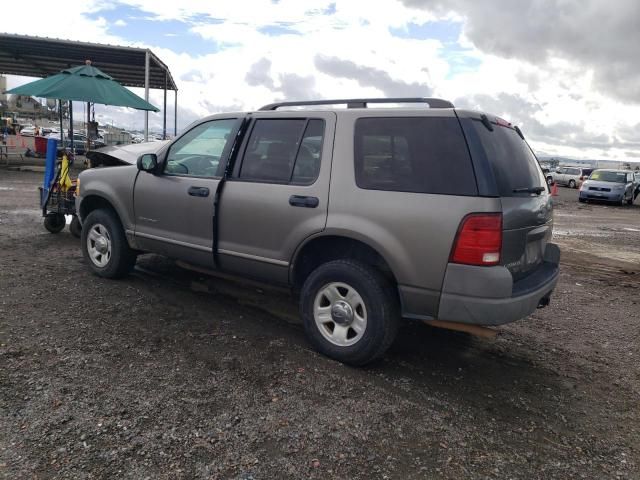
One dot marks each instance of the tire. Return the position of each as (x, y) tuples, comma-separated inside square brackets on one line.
[(581, 200), (572, 184), (630, 200), (549, 181), (76, 227), (346, 288), (104, 245), (55, 222)]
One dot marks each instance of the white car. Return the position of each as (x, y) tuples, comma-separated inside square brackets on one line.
[(572, 177), (28, 132)]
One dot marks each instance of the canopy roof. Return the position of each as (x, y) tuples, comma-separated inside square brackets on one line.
[(41, 57), (84, 83)]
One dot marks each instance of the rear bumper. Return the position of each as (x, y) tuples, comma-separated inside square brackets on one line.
[(488, 295)]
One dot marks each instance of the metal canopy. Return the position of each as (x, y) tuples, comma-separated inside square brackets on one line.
[(132, 67), (41, 57)]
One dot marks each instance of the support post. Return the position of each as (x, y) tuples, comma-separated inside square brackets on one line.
[(164, 109), (61, 125), (175, 115), (71, 125), (146, 94), (88, 121)]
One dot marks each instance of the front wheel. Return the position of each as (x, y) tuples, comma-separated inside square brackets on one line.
[(572, 184), (104, 245), (349, 311), (54, 222)]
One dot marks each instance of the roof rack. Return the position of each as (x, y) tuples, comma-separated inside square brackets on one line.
[(362, 102)]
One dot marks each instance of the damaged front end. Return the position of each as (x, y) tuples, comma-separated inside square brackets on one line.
[(121, 155)]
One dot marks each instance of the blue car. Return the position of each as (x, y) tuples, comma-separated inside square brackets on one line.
[(615, 186)]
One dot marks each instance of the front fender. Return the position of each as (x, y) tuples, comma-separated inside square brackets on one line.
[(113, 184)]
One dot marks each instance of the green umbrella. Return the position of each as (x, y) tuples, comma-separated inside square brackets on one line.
[(86, 84)]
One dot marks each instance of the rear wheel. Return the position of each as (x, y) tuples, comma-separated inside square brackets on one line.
[(572, 184), (349, 311), (549, 181), (76, 227), (104, 245), (54, 222)]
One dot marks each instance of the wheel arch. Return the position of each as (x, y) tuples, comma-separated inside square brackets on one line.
[(93, 202), (325, 248)]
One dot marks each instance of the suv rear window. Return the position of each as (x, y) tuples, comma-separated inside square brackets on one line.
[(512, 161), (413, 154)]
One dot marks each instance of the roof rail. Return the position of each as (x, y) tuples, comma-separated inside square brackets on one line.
[(362, 102)]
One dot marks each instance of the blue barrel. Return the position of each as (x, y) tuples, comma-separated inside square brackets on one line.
[(49, 169)]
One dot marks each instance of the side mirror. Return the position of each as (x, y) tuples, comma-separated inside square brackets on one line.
[(148, 162)]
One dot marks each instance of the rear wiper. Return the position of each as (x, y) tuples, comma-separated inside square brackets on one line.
[(536, 190)]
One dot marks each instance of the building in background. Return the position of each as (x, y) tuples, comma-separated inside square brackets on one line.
[(26, 106), (3, 96)]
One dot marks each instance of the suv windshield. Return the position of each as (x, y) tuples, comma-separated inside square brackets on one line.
[(609, 176), (514, 166)]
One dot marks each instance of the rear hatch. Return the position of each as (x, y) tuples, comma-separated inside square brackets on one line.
[(506, 167)]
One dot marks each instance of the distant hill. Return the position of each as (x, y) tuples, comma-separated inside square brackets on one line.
[(554, 160)]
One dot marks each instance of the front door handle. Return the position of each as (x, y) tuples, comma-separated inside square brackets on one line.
[(199, 191), (301, 201)]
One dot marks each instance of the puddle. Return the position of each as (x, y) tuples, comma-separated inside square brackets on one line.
[(612, 254), (29, 212), (559, 232)]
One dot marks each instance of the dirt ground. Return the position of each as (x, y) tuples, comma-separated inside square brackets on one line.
[(172, 374)]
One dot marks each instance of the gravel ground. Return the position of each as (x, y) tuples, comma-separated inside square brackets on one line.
[(172, 374)]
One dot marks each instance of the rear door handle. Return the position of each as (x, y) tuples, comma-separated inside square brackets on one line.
[(302, 201), (199, 191)]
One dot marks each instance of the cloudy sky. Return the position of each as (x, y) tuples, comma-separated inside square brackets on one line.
[(566, 71)]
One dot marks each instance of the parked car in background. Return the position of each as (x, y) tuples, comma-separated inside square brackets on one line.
[(366, 215), (28, 131), (636, 182), (46, 131), (79, 142), (586, 172), (609, 185), (25, 126), (572, 177)]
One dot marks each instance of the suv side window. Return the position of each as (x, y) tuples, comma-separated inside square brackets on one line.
[(197, 153), (283, 151), (413, 154)]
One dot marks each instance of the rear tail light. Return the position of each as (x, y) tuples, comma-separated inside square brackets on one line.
[(479, 240)]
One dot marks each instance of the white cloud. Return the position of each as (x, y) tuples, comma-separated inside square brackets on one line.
[(68, 22), (120, 23), (352, 53)]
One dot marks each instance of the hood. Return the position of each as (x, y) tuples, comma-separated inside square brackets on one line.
[(127, 154), (600, 184)]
